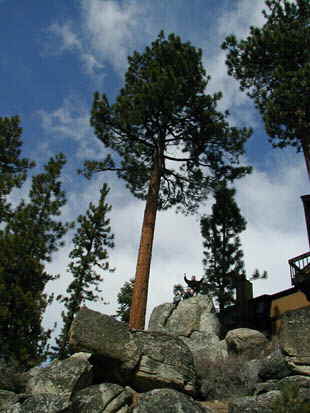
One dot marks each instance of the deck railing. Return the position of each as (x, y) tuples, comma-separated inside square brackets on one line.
[(298, 266)]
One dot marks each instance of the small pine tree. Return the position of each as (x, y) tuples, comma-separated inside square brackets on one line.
[(90, 253), (32, 233), (223, 257), (124, 298)]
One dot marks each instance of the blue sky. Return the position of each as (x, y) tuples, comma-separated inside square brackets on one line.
[(56, 54)]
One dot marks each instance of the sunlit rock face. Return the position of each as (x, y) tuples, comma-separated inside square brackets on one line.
[(145, 360), (195, 322), (246, 342)]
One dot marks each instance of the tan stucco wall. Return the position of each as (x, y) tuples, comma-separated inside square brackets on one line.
[(286, 303)]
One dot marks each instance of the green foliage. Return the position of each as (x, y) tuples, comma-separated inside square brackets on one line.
[(273, 65), (162, 115), (290, 401), (35, 222), (124, 298), (13, 169), (223, 257), (88, 256), (31, 234)]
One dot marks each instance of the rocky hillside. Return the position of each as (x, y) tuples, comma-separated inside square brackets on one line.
[(180, 364)]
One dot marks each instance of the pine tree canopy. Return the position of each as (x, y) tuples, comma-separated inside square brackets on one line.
[(35, 222), (162, 113), (273, 65), (13, 169), (167, 139)]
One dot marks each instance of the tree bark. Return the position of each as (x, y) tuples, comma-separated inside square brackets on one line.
[(140, 291)]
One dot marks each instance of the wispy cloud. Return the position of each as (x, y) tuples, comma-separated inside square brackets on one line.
[(68, 40), (71, 121), (112, 28)]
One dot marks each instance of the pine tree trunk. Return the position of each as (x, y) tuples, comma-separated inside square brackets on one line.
[(139, 297)]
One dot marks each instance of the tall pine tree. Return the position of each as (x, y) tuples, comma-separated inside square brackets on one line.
[(223, 256), (33, 231), (273, 65), (89, 259), (169, 141)]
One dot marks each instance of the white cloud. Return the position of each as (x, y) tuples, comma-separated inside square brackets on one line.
[(69, 39), (61, 121), (71, 121), (270, 201), (112, 28), (108, 32), (240, 17)]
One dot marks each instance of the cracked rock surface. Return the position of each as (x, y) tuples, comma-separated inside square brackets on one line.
[(195, 322), (142, 359), (106, 397)]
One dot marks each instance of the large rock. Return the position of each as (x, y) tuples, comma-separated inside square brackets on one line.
[(195, 322), (168, 400), (142, 359), (299, 365), (7, 398), (247, 342), (274, 367), (103, 398), (62, 378), (294, 336), (165, 362), (301, 383), (193, 314), (39, 403), (261, 404), (101, 334), (291, 394)]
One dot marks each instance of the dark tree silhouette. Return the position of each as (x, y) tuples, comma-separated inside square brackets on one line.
[(13, 169), (31, 234), (273, 65)]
